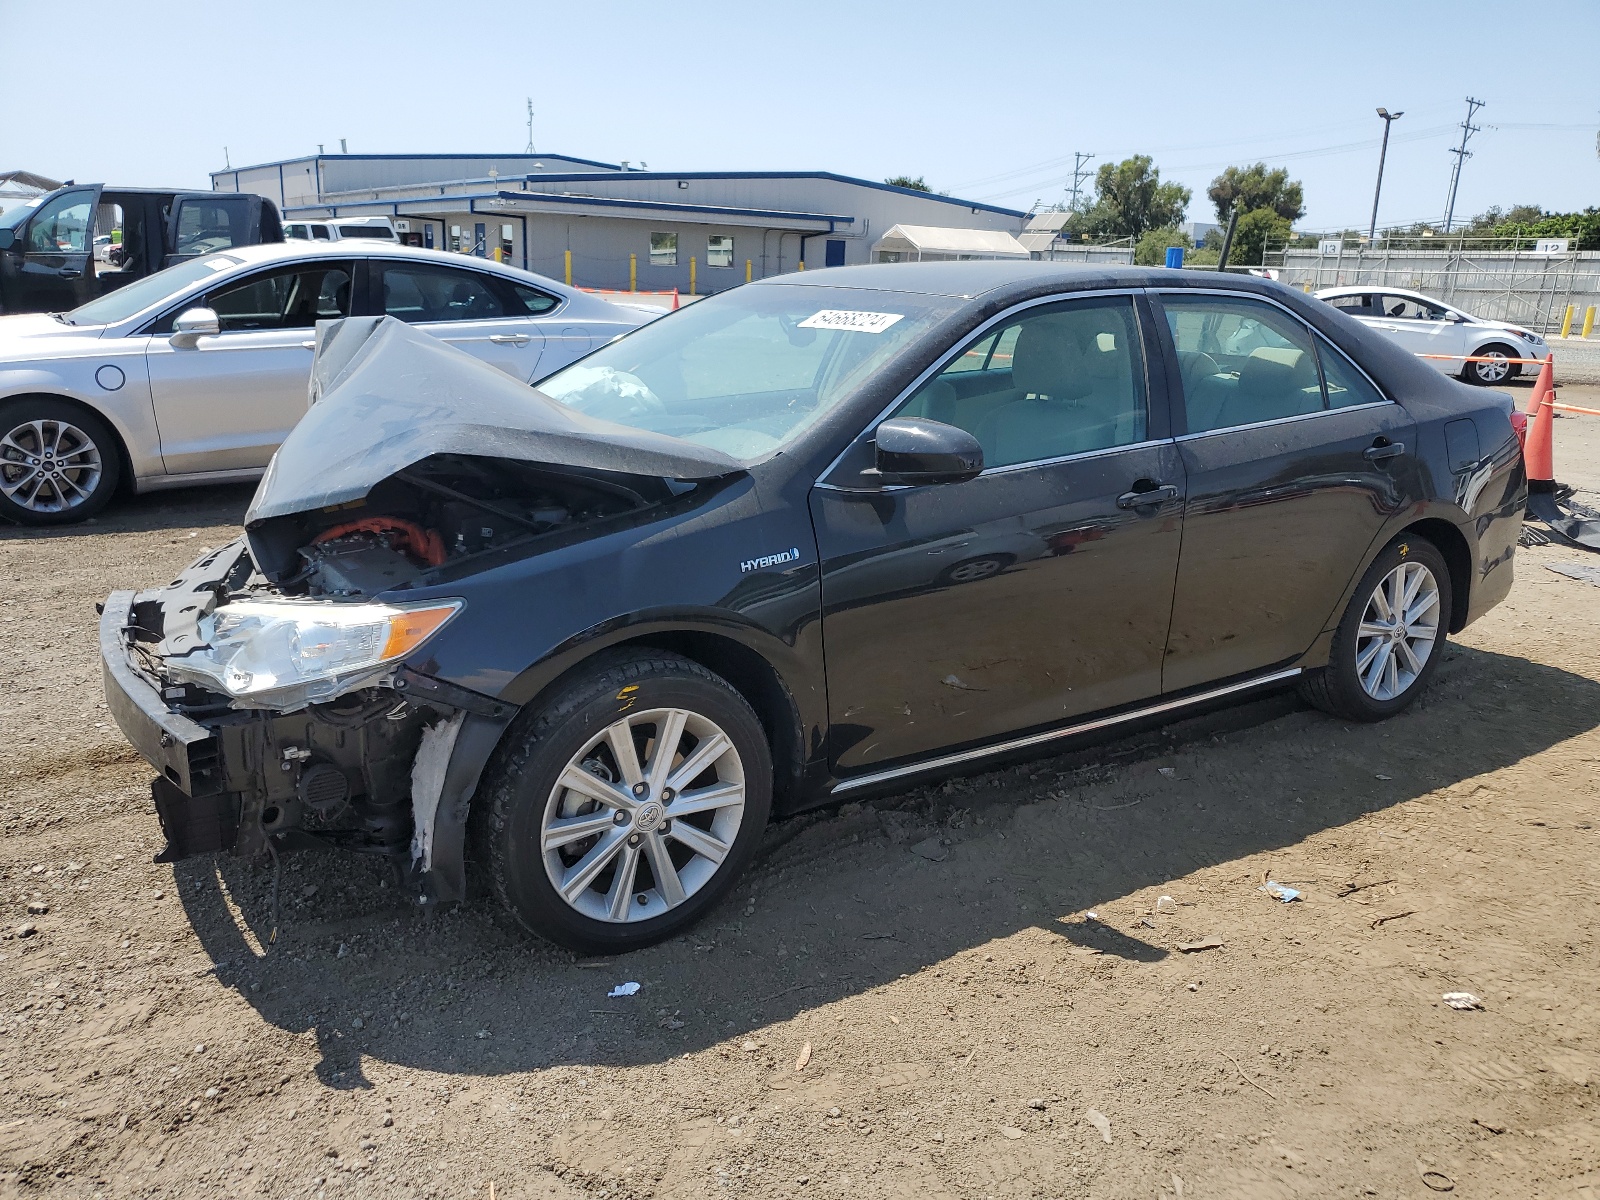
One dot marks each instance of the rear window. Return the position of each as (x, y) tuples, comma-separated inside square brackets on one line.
[(366, 231)]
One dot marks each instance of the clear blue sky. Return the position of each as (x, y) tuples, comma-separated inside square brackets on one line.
[(987, 101)]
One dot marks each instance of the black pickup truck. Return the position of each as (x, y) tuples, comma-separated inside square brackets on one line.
[(80, 241)]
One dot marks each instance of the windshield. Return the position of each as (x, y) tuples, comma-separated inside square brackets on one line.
[(745, 372), (152, 289), (13, 218)]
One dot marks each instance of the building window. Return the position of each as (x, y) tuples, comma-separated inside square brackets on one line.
[(663, 249), (719, 251)]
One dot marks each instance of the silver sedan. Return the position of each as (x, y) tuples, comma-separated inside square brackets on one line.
[(196, 374)]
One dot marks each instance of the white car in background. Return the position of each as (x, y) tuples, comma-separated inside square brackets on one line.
[(195, 374), (1424, 325), (335, 229)]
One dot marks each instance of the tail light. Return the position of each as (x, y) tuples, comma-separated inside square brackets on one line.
[(1519, 423)]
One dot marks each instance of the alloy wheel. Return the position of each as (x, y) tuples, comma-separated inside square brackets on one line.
[(641, 818), (1398, 630), (49, 466), (1493, 372)]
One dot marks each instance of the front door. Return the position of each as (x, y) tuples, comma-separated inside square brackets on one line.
[(1421, 328), (955, 614), (225, 402), (484, 315), (1294, 461), (57, 264)]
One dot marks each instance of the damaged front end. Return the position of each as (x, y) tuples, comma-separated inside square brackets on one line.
[(282, 686)]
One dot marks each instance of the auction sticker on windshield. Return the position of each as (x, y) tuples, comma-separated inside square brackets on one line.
[(854, 322)]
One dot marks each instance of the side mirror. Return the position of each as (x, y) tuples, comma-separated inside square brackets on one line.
[(914, 450), (193, 324), (8, 238)]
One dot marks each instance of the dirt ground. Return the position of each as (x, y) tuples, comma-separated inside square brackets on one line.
[(965, 1028)]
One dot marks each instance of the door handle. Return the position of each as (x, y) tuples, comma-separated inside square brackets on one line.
[(311, 345), (1158, 494), (70, 273), (1383, 450), (512, 339)]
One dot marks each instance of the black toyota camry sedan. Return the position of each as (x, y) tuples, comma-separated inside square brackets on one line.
[(814, 537)]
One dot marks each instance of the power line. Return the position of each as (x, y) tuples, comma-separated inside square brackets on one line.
[(1462, 154), (1079, 174)]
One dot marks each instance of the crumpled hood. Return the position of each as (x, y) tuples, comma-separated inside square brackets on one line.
[(384, 397)]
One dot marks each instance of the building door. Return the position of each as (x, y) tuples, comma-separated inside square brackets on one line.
[(480, 240), (834, 253), (1041, 590)]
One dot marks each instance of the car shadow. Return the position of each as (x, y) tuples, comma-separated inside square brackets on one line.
[(180, 508), (848, 900)]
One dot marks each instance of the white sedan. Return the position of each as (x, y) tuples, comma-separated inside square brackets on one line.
[(195, 374), (1424, 325)]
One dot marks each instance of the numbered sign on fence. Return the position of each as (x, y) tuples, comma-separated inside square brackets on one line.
[(1552, 245), (1330, 247)]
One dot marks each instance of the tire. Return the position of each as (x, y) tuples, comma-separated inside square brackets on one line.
[(39, 488), (626, 827), (1491, 374), (1345, 687)]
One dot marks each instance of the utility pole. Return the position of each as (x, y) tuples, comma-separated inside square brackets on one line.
[(1389, 118), (1462, 154), (1079, 174), (529, 150)]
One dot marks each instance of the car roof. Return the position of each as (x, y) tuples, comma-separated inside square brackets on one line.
[(1385, 289), (995, 278), (300, 248)]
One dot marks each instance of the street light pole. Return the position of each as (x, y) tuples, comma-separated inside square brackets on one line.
[(1388, 119)]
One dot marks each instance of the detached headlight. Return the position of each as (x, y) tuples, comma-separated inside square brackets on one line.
[(285, 654)]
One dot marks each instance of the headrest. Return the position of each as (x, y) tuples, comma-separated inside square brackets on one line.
[(1047, 362), (1270, 368)]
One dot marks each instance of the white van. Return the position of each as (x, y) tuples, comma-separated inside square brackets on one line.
[(339, 228)]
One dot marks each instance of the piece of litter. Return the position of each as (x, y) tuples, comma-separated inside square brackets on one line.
[(623, 989), (805, 1057), (1438, 1181), (1011, 1131), (894, 1018), (1166, 905), (931, 849), (1491, 1126), (1202, 944), (1101, 1122), (1091, 916), (1385, 778), (1586, 572), (1169, 772), (1461, 1000), (1410, 912), (1195, 986), (1279, 892)]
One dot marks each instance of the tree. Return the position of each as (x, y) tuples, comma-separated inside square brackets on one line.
[(1254, 231), (1130, 199), (1151, 248), (905, 181), (1253, 187)]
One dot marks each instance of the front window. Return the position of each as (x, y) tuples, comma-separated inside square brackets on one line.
[(663, 249), (1408, 308), (205, 226), (62, 226), (719, 251), (288, 298), (149, 291), (746, 371)]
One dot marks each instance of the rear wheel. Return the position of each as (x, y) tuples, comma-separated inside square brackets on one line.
[(1498, 370), (1388, 641), (58, 462), (627, 805)]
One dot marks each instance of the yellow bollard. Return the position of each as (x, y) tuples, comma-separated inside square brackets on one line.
[(568, 256), (749, 265), (1566, 322), (691, 274), (802, 264), (1588, 320), (633, 272)]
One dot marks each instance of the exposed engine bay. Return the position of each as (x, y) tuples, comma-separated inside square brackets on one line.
[(441, 513)]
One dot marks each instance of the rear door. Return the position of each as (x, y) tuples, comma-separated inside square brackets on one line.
[(471, 310), (205, 224), (225, 402), (958, 613), (1294, 460), (57, 272)]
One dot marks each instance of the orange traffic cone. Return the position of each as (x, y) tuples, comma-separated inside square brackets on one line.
[(1545, 384), (1538, 452)]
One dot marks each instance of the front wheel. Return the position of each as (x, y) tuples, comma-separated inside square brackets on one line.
[(1388, 642), (1497, 370), (627, 805)]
